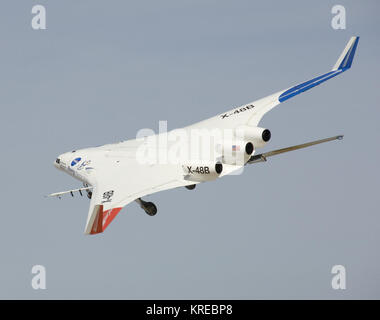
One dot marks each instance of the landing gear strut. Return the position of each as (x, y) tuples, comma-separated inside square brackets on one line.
[(88, 191), (148, 207)]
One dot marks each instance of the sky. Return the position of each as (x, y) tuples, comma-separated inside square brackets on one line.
[(103, 70)]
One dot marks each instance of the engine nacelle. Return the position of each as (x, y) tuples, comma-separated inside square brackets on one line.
[(258, 136), (235, 152), (202, 171)]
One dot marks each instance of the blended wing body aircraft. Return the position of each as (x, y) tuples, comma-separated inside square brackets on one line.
[(114, 175)]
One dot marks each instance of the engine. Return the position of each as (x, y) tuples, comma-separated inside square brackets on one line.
[(202, 171), (236, 152), (258, 136)]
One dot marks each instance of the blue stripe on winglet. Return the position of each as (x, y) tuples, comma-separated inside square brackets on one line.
[(343, 66), (308, 85), (347, 61)]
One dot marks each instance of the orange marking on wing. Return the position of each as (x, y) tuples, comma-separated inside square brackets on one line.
[(108, 216)]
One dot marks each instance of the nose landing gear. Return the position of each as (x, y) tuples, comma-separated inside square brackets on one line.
[(149, 207)]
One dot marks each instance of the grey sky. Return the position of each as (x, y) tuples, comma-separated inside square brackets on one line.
[(105, 69)]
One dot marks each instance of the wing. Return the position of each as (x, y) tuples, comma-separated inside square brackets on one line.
[(119, 180), (252, 113)]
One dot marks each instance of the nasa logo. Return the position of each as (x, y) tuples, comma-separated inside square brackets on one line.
[(75, 161), (83, 164)]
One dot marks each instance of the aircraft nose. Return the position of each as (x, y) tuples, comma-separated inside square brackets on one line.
[(61, 162), (57, 162)]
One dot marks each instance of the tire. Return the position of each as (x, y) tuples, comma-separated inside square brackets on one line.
[(150, 209)]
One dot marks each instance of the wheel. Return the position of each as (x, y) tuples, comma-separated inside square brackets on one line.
[(190, 187), (150, 208)]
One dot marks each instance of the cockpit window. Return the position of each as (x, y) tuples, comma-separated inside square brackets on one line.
[(58, 160)]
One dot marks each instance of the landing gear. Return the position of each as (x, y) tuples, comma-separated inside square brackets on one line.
[(190, 187), (148, 207), (88, 191)]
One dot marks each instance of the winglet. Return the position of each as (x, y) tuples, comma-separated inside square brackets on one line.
[(99, 220), (344, 63), (96, 225), (345, 60)]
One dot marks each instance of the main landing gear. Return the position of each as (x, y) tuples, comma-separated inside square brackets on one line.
[(149, 207)]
